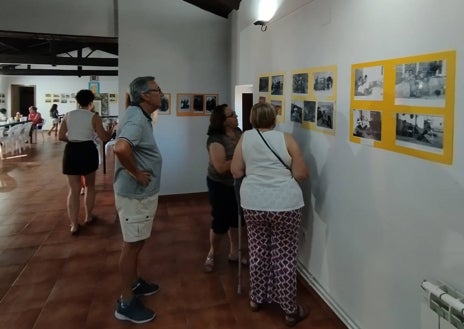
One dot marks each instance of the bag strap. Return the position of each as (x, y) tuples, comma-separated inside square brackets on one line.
[(278, 157)]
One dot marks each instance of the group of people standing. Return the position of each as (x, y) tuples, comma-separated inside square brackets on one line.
[(136, 181), (268, 162)]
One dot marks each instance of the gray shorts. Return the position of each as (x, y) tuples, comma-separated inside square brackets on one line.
[(136, 216)]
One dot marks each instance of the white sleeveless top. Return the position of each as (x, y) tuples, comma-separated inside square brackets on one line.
[(268, 185), (79, 123)]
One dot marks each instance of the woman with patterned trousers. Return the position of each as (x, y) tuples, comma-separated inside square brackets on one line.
[(271, 163)]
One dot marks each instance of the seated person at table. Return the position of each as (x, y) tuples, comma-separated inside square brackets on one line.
[(36, 119), (3, 116)]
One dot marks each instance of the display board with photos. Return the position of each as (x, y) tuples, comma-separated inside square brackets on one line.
[(405, 105), (271, 89), (314, 92), (196, 104)]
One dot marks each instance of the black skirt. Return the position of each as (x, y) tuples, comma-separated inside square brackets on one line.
[(80, 158)]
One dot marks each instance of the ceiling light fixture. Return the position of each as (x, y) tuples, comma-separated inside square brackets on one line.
[(263, 25)]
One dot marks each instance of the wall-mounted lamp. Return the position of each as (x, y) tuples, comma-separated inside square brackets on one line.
[(263, 25)]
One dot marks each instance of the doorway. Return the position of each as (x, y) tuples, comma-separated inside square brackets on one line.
[(247, 104), (243, 101), (21, 98)]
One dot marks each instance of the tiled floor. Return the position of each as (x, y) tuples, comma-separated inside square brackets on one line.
[(50, 279)]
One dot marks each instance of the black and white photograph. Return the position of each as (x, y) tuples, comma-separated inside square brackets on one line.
[(184, 102), (323, 84), (113, 98), (278, 106), (324, 114), (300, 83), (165, 107), (367, 124), (296, 111), (422, 132), (263, 84), (277, 85), (198, 102), (211, 103), (421, 84), (103, 100), (309, 111), (368, 83)]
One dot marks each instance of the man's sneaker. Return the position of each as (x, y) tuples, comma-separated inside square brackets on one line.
[(143, 288), (134, 312)]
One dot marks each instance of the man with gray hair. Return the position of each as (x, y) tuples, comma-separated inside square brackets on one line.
[(136, 190)]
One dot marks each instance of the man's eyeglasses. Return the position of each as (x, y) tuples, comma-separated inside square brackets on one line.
[(157, 90), (231, 115)]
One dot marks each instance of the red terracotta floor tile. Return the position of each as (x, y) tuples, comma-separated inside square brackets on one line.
[(50, 279)]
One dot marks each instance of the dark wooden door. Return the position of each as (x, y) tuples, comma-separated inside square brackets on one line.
[(247, 104)]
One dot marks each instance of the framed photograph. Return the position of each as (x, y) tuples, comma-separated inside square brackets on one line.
[(323, 84), (367, 124), (103, 103), (184, 104), (277, 85), (300, 83), (420, 131), (296, 111), (113, 98), (198, 104), (368, 83), (324, 115), (165, 107), (263, 84), (421, 84), (94, 86), (309, 111), (211, 101)]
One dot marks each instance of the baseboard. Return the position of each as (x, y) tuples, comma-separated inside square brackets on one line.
[(183, 196), (330, 302)]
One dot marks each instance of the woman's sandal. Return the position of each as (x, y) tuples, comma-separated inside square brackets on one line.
[(293, 318), (209, 264), (92, 220), (232, 259), (74, 229), (254, 306)]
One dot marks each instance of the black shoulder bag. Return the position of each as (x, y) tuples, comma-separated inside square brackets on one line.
[(278, 157)]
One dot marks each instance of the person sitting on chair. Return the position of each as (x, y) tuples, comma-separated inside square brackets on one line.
[(36, 118)]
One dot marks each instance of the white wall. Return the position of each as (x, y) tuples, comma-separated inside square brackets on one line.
[(57, 85), (376, 223), (187, 50)]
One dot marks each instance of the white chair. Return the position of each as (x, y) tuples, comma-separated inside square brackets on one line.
[(2, 142), (39, 129), (13, 140)]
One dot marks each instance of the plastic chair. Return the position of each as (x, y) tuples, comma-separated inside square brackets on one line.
[(40, 129), (2, 142)]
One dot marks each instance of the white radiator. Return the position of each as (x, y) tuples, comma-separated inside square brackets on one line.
[(443, 307)]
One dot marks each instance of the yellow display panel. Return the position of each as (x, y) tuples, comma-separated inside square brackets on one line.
[(405, 105), (313, 101), (271, 89)]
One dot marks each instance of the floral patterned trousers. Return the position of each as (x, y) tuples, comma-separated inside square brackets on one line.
[(273, 248)]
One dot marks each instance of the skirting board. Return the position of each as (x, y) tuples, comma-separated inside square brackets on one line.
[(311, 280)]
